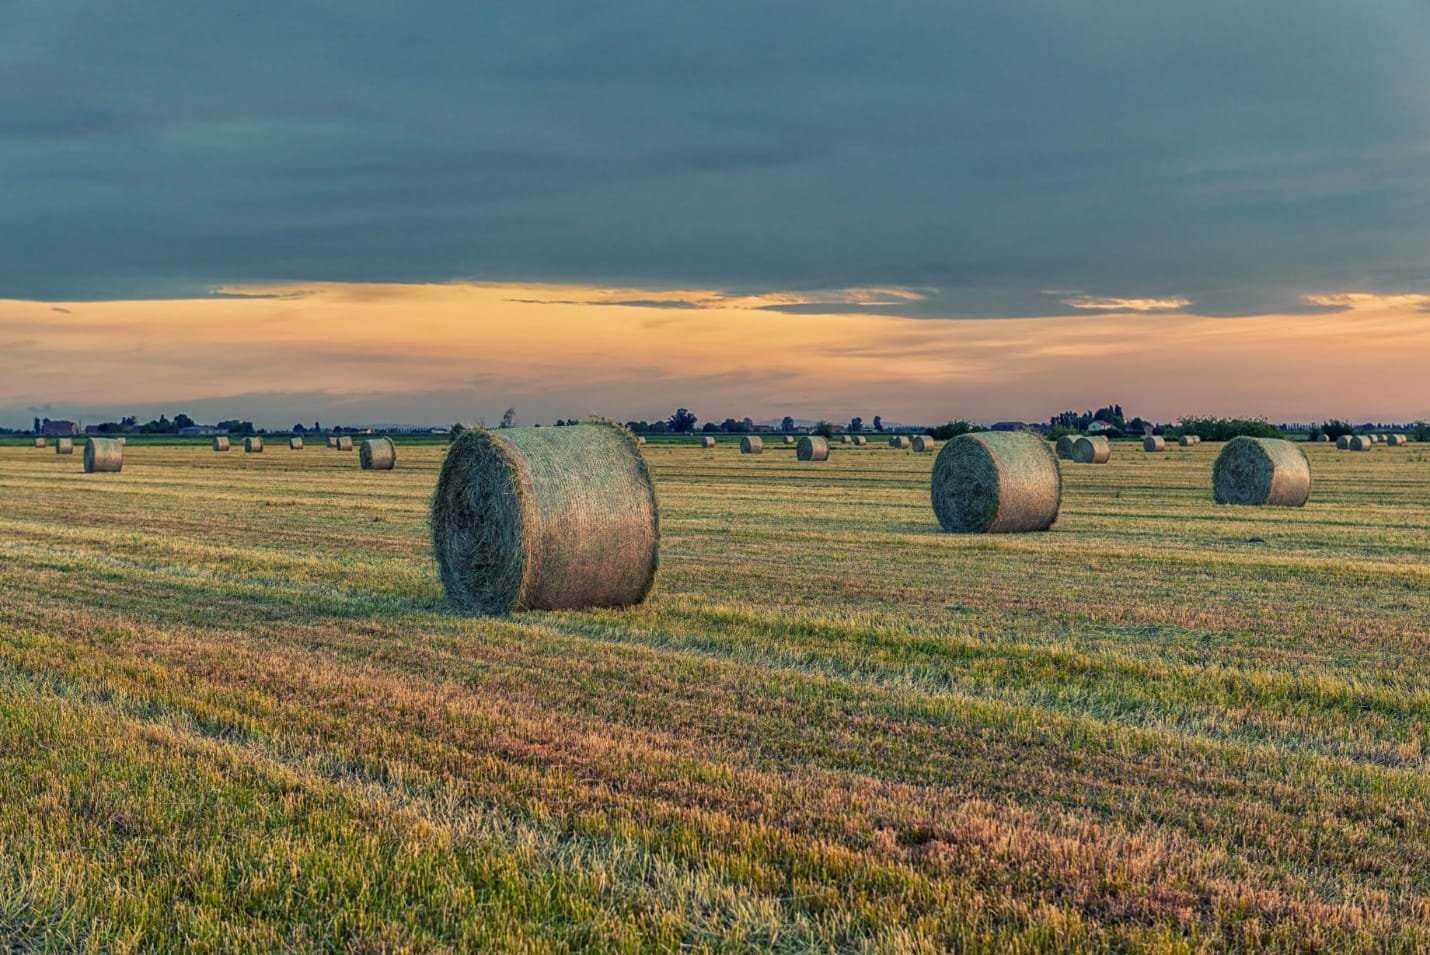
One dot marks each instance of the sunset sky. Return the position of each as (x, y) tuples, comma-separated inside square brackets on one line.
[(361, 212)]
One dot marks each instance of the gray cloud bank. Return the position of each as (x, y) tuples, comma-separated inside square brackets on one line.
[(1234, 154)]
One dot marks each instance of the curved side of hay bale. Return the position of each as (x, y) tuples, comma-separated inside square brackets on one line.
[(220, 443), (295, 444), (1361, 442), (253, 445), (707, 442), (41, 443), (860, 441), (812, 447), (901, 442), (1092, 449), (103, 455), (1154, 442), (996, 482), (332, 441), (923, 444), (1399, 439), (1187, 440), (1261, 471), (1343, 443), (64, 446), (1323, 439), (545, 519), (845, 439), (789, 439), (378, 454), (345, 443), (752, 445), (1064, 447)]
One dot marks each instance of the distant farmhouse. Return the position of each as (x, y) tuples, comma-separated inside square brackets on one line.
[(201, 430), (59, 427)]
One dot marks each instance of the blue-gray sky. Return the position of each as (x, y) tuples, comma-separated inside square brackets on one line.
[(1002, 158)]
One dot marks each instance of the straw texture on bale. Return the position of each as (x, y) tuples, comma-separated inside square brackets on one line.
[(345, 443), (332, 441), (253, 445), (860, 441), (220, 443), (752, 445), (1187, 440), (378, 454), (1361, 442), (1154, 442), (295, 444), (1343, 443), (996, 482), (707, 442), (1261, 471), (41, 443), (899, 441), (923, 444), (64, 446), (545, 519), (1091, 449), (1064, 447), (812, 447), (103, 455)]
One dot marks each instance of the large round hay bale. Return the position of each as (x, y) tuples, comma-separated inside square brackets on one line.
[(253, 445), (103, 455), (752, 445), (221, 443), (1091, 449), (812, 447), (41, 443), (295, 444), (1343, 443), (922, 444), (1260, 471), (1187, 440), (378, 454), (901, 442), (64, 446), (860, 441), (1064, 447), (332, 441), (789, 439), (545, 519), (345, 443), (1154, 442), (1362, 442), (707, 442), (996, 482)]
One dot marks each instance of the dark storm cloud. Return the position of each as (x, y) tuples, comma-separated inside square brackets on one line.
[(1234, 154)]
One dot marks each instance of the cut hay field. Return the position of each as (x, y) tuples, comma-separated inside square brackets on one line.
[(236, 715)]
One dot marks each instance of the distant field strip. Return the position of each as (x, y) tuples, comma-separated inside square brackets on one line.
[(237, 715)]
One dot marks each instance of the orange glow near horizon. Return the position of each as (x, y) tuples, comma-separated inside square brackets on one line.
[(454, 351)]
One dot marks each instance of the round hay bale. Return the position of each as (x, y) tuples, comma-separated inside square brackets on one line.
[(860, 441), (752, 445), (640, 440), (378, 454), (923, 444), (1261, 471), (123, 441), (41, 443), (812, 447), (221, 443), (103, 455), (545, 519), (1398, 439), (1361, 442), (996, 482), (1064, 447), (64, 446), (789, 439), (295, 444), (253, 445), (900, 442), (1343, 443), (707, 442), (1187, 440), (1091, 449), (332, 441), (845, 439), (1323, 439), (345, 443), (1154, 442)]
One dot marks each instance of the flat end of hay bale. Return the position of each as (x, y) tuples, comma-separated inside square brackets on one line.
[(996, 482), (378, 454), (1261, 472), (812, 447)]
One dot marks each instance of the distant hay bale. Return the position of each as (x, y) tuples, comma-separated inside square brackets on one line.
[(295, 444), (41, 443), (64, 446), (1261, 471), (899, 441), (1064, 447), (996, 482), (545, 519), (253, 445), (789, 439), (812, 447), (922, 444), (221, 443), (1092, 449), (845, 439), (1323, 439), (332, 441), (707, 442), (1361, 442), (1343, 443), (378, 454), (752, 445), (640, 440), (345, 443), (123, 441), (103, 455), (860, 441), (1396, 440), (1154, 442), (1187, 440)]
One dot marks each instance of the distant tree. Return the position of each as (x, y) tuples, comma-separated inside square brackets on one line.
[(1420, 431), (824, 428), (878, 423), (747, 424), (38, 426), (1224, 429), (508, 418), (455, 431), (952, 430), (182, 421), (710, 427), (730, 426), (317, 426), (299, 429), (856, 423), (1334, 427), (786, 423), (682, 422)]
